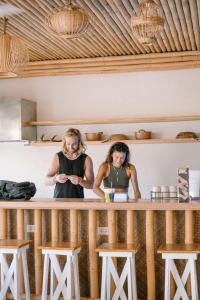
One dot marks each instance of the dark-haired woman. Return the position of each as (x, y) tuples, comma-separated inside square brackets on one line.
[(116, 172)]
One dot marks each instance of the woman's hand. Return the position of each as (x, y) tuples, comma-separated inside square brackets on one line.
[(61, 178), (75, 179)]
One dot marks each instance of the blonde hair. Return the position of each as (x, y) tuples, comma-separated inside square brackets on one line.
[(73, 132)]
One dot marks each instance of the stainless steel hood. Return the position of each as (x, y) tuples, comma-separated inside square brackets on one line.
[(14, 114)]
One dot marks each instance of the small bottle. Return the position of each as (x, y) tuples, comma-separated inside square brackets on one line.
[(156, 192), (173, 191), (164, 191)]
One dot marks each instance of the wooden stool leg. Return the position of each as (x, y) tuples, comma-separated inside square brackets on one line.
[(45, 276), (16, 277), (133, 277), (25, 271), (129, 279), (52, 282), (108, 279), (2, 275), (75, 273), (69, 278), (103, 280), (167, 279), (194, 279)]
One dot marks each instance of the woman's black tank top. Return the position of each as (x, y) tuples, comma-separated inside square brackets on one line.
[(70, 167)]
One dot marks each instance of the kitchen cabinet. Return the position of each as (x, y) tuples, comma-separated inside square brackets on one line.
[(124, 120)]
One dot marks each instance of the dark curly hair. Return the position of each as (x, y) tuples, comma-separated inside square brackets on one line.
[(119, 147)]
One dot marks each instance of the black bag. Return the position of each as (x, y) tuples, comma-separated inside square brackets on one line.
[(16, 190)]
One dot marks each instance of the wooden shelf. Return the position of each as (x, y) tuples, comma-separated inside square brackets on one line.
[(142, 119), (149, 141)]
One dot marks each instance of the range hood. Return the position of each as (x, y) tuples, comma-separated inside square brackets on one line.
[(14, 114)]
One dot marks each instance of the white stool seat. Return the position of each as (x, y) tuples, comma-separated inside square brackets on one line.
[(68, 279), (10, 274), (107, 251), (172, 252)]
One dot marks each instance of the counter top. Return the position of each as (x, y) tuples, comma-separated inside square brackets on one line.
[(98, 204)]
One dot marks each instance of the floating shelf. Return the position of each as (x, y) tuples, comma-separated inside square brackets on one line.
[(149, 141), (143, 119)]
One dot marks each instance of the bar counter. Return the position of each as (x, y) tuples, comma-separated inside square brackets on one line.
[(149, 223)]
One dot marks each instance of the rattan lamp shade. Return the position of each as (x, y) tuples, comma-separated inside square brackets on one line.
[(148, 23), (67, 22), (13, 55)]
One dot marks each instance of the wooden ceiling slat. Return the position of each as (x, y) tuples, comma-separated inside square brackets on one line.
[(93, 36), (109, 44), (106, 22), (198, 10), (89, 44), (102, 42), (124, 19), (111, 18), (169, 20), (186, 10), (195, 21), (177, 22), (183, 24), (103, 30), (166, 33), (129, 7)]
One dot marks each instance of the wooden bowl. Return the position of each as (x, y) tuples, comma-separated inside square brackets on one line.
[(186, 135), (94, 136), (142, 135), (118, 137)]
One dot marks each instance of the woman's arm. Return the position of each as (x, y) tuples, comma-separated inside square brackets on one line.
[(134, 181), (88, 180), (100, 176), (52, 176)]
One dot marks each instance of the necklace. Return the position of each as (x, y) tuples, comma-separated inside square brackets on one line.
[(117, 172), (72, 156)]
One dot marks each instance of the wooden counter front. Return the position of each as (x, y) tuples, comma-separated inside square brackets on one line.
[(144, 222), (96, 204)]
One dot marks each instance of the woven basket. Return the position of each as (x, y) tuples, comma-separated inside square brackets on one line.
[(95, 136), (142, 134)]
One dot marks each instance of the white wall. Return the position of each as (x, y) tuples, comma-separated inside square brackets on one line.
[(116, 95)]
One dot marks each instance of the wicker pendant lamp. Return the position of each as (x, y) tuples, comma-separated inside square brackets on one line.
[(148, 22), (13, 54), (68, 21)]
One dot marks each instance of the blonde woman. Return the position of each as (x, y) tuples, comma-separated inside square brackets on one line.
[(71, 169)]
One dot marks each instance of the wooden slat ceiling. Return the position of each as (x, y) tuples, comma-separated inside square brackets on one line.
[(109, 44)]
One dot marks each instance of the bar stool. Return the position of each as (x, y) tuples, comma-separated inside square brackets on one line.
[(70, 271), (10, 274), (108, 251), (189, 252)]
